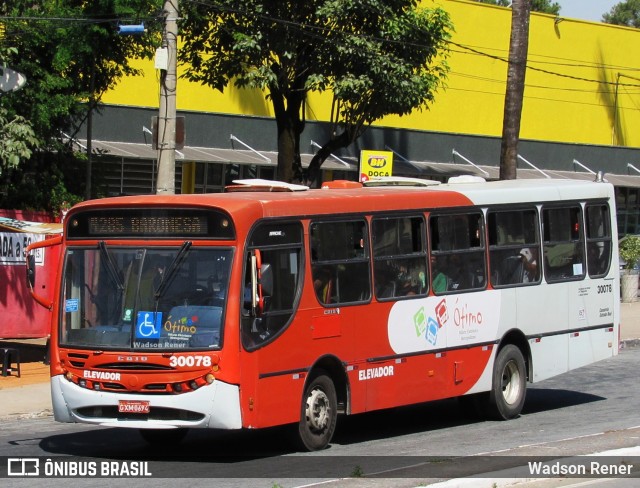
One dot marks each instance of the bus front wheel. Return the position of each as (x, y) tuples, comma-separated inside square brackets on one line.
[(507, 395), (319, 413)]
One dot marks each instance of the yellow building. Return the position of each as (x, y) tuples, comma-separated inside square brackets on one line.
[(581, 111)]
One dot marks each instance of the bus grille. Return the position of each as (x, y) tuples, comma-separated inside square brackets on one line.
[(135, 366)]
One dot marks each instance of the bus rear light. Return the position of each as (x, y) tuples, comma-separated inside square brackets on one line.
[(69, 376), (209, 378)]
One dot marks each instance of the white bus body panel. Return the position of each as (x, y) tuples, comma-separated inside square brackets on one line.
[(219, 403)]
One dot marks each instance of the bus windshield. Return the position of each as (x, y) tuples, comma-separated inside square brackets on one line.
[(144, 298)]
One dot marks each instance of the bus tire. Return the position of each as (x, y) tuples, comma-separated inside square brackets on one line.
[(318, 413), (507, 395), (163, 436)]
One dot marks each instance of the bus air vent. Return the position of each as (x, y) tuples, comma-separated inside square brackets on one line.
[(399, 181), (136, 366), (257, 184)]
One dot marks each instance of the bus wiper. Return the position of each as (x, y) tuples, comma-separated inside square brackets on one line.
[(111, 267), (166, 276)]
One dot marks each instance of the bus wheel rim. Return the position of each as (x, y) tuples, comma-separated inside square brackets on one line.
[(511, 383), (318, 411)]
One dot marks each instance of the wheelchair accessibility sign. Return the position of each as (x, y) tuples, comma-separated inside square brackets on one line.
[(148, 325)]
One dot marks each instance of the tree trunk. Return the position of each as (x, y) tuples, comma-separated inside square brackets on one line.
[(514, 95), (286, 151), (290, 126), (312, 178)]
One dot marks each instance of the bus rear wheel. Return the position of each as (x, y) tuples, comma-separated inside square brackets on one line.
[(507, 395), (319, 413)]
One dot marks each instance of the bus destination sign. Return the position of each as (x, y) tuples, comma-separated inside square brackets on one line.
[(105, 225), (160, 223)]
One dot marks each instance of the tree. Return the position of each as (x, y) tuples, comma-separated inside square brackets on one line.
[(17, 138), (518, 48), (377, 57), (71, 53), (544, 6), (624, 13)]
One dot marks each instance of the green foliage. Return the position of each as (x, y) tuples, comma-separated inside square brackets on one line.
[(42, 182), (69, 56), (544, 6), (630, 251), (378, 57), (624, 13), (70, 53), (17, 140)]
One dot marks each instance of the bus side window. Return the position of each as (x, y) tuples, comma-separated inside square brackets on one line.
[(280, 246), (563, 244), (514, 247), (340, 262), (598, 240), (457, 249), (400, 258)]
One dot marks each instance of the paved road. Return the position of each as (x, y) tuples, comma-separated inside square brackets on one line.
[(586, 411)]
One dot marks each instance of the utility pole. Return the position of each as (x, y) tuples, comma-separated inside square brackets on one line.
[(166, 181)]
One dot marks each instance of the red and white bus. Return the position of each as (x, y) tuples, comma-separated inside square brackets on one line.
[(274, 304)]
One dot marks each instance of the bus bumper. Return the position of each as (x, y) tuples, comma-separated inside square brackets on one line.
[(214, 406)]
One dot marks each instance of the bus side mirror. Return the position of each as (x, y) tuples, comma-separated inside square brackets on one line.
[(31, 271), (46, 302), (261, 283)]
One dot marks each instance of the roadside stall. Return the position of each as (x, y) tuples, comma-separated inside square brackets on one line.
[(22, 317)]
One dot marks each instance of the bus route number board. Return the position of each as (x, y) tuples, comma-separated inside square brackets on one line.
[(133, 406)]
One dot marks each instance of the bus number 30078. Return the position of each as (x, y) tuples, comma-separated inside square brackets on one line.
[(189, 361), (605, 289)]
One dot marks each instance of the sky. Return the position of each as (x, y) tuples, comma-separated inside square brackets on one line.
[(585, 9)]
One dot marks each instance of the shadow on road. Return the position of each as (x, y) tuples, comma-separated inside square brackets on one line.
[(546, 399), (243, 446)]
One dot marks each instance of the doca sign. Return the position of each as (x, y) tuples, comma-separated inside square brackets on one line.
[(375, 163)]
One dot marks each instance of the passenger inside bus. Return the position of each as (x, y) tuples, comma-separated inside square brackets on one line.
[(440, 281), (529, 258), (323, 284)]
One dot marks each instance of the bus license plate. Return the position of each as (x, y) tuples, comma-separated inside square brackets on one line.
[(133, 406)]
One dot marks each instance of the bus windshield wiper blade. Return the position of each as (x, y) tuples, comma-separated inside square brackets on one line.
[(166, 276), (111, 267)]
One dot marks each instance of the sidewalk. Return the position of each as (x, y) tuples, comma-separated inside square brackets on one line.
[(29, 395)]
